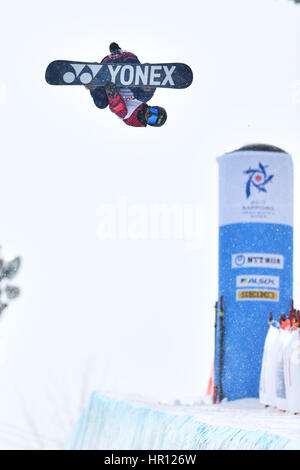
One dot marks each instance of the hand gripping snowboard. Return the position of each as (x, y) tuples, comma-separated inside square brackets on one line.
[(67, 72)]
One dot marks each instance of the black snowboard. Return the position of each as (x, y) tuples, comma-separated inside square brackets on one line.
[(67, 72)]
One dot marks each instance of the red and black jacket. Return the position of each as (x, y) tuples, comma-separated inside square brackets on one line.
[(118, 106)]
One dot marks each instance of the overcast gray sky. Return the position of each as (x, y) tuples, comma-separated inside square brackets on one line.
[(140, 311)]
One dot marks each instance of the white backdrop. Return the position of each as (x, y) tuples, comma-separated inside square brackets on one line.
[(131, 315)]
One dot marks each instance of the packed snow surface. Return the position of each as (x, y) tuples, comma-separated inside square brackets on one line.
[(109, 422)]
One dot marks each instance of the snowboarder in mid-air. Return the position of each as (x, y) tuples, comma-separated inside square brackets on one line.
[(129, 104)]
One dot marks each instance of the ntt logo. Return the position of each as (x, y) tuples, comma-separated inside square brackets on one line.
[(257, 260), (240, 260)]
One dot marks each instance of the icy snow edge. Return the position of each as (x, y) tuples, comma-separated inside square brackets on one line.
[(114, 424)]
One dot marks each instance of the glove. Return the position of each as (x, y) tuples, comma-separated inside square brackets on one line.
[(111, 90), (141, 115)]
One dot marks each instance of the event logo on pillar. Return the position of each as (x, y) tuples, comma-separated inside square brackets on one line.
[(258, 178), (255, 189)]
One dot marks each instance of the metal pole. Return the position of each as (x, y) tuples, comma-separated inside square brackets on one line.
[(221, 350)]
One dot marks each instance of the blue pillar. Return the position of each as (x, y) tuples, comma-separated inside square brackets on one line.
[(255, 261)]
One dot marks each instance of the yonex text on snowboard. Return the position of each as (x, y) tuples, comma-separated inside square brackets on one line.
[(165, 75), (126, 74)]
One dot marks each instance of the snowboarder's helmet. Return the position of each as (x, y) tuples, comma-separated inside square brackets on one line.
[(158, 116)]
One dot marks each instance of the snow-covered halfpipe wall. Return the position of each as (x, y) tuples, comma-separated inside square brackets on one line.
[(114, 424)]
